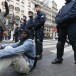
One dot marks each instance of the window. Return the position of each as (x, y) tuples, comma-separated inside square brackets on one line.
[(17, 9), (18, 0), (8, 0), (22, 11), (17, 3), (29, 5), (29, 9), (17, 18), (11, 7), (22, 2), (12, 1), (22, 5), (2, 3)]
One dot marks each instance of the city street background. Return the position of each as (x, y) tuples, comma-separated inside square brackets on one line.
[(20, 8), (44, 66)]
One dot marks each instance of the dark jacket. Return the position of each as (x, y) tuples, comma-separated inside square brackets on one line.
[(30, 26), (39, 20), (67, 12), (23, 26), (16, 32), (39, 25)]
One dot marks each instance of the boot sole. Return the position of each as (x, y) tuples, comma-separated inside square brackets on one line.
[(57, 62)]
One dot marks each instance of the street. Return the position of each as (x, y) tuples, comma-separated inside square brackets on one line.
[(44, 66)]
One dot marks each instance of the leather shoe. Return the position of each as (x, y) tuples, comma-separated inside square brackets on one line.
[(39, 57), (57, 61)]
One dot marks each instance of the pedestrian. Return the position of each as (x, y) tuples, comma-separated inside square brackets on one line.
[(66, 25), (39, 30), (3, 20), (23, 26), (1, 33), (16, 33), (29, 24), (15, 54)]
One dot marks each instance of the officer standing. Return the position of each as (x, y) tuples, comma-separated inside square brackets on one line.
[(3, 20), (29, 24), (39, 30), (66, 25), (16, 33), (23, 26)]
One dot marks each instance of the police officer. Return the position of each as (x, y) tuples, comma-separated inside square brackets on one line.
[(23, 26), (29, 24), (16, 33), (3, 20), (39, 30), (66, 25)]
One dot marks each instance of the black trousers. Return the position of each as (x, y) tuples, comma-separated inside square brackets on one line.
[(16, 38), (39, 47), (69, 30), (39, 35), (62, 36)]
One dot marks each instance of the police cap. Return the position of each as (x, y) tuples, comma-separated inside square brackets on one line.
[(36, 5), (30, 12)]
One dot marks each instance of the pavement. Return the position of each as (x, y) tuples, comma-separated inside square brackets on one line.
[(44, 66)]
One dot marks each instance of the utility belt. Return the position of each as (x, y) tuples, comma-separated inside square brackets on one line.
[(70, 21), (67, 23)]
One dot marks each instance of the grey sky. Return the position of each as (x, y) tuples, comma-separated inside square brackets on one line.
[(60, 3)]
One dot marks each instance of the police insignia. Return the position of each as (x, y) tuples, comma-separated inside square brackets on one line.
[(42, 16)]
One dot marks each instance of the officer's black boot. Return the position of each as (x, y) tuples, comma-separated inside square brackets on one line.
[(57, 61), (60, 50), (39, 49), (74, 48)]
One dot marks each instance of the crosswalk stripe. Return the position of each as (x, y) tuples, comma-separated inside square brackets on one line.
[(51, 46), (49, 43), (65, 49)]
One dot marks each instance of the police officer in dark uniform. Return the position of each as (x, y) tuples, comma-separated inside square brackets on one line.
[(29, 24), (39, 30), (16, 33), (66, 25), (23, 26)]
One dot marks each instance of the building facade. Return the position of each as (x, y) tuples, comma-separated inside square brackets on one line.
[(50, 9), (18, 8)]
